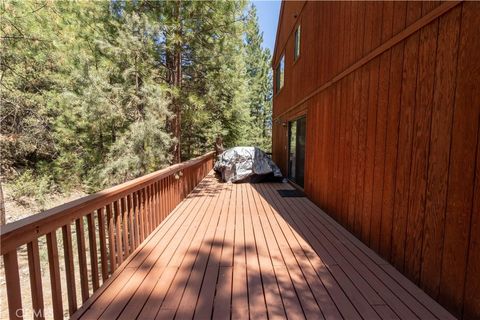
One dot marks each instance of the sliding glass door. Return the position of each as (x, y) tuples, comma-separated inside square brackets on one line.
[(296, 150)]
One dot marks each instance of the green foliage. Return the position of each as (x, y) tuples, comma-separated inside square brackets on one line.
[(87, 89), (30, 185), (259, 78)]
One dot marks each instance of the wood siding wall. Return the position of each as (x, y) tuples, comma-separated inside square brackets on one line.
[(391, 91)]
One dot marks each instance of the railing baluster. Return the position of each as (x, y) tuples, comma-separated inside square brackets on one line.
[(93, 251), (111, 239), (172, 193), (155, 204), (178, 191), (14, 295), (35, 279), (149, 209), (54, 275), (144, 213), (136, 216), (82, 258), (152, 208), (69, 268), (169, 194), (160, 201), (103, 244), (124, 217), (160, 196), (141, 215), (118, 232), (130, 224), (165, 197), (151, 219), (186, 182), (175, 192)]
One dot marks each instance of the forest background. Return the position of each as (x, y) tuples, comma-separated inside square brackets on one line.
[(95, 93)]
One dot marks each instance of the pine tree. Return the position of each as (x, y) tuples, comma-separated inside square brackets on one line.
[(259, 83), (96, 93)]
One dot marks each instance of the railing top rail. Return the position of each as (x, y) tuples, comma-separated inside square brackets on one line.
[(25, 230)]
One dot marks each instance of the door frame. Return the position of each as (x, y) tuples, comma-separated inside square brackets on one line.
[(295, 118)]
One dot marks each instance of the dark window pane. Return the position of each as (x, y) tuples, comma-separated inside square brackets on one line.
[(296, 150), (297, 43)]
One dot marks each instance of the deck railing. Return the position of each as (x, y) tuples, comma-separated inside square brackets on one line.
[(115, 221)]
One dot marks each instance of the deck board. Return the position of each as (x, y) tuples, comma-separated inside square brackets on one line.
[(239, 250)]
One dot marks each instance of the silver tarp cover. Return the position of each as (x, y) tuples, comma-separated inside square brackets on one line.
[(239, 163)]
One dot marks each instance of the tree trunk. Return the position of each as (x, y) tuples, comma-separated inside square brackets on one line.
[(176, 105), (2, 206), (174, 59)]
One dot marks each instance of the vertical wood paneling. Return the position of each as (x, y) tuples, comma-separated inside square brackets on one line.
[(440, 136), (461, 171), (354, 162), (391, 143), (333, 193), (341, 152), (376, 33), (471, 307), (362, 141), (381, 129), (405, 137), (348, 111), (391, 146), (420, 147)]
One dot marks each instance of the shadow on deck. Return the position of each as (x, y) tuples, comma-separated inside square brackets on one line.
[(239, 250)]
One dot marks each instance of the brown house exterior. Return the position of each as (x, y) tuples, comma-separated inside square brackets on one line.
[(377, 118)]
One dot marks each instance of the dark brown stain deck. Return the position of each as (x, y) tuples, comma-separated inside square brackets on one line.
[(239, 250)]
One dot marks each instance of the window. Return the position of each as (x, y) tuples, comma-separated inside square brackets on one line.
[(280, 73), (296, 53)]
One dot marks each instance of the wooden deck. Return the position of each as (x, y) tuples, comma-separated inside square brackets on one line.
[(233, 250)]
